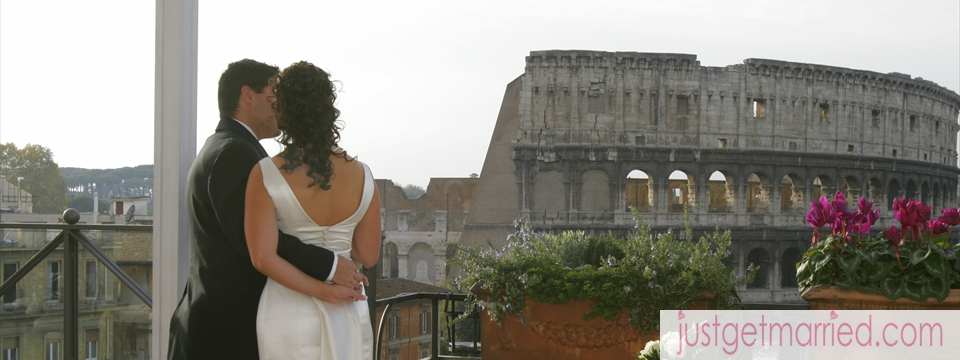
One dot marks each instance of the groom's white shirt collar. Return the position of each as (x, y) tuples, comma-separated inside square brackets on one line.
[(248, 128), (335, 257)]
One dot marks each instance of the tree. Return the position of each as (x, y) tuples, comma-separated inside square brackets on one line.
[(41, 175), (413, 191), (85, 204)]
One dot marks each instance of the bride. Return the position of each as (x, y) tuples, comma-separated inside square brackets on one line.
[(312, 190)]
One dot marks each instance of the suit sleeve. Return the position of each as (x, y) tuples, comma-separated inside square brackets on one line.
[(227, 188)]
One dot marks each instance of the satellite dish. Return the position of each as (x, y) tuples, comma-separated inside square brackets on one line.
[(129, 216)]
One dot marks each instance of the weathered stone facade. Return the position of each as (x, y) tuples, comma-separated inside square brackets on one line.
[(417, 231), (583, 135)]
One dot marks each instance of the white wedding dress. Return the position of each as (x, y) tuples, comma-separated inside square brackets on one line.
[(291, 325)]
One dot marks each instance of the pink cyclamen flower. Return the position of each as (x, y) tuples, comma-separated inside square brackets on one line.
[(950, 217), (893, 234), (935, 227)]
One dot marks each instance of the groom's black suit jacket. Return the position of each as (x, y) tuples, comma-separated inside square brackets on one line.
[(216, 317)]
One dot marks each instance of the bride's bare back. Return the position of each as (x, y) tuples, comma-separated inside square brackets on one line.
[(327, 207)]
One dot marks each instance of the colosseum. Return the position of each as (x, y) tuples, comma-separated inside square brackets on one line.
[(582, 136)]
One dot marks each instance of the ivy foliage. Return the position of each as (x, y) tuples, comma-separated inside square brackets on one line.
[(645, 273), (923, 269)]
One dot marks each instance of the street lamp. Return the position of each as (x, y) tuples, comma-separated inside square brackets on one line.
[(19, 195)]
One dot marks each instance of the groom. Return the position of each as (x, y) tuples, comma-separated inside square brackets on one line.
[(216, 317)]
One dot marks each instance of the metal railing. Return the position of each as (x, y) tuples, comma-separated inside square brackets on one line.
[(451, 312), (71, 236)]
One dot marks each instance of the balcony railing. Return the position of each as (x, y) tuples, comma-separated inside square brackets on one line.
[(453, 307), (38, 298)]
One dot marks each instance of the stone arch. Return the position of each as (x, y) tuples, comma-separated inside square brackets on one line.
[(925, 193), (788, 267), (894, 192), (418, 256), (850, 187), (721, 197), (791, 194), (874, 189), (391, 268), (549, 192), (935, 198), (759, 257), (757, 194), (681, 190), (823, 186), (910, 191), (639, 191), (595, 191)]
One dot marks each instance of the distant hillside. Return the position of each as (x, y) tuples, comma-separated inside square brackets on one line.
[(123, 182)]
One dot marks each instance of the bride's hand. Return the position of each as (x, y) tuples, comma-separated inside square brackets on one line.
[(338, 293)]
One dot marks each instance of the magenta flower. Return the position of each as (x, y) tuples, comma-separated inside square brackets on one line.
[(894, 235), (950, 217), (936, 227)]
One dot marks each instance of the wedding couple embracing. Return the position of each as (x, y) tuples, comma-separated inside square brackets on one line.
[(275, 243)]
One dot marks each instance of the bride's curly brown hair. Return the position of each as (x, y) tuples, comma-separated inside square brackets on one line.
[(308, 119)]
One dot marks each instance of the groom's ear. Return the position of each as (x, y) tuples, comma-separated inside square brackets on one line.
[(247, 94)]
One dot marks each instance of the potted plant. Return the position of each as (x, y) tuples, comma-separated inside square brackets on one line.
[(594, 296), (910, 267)]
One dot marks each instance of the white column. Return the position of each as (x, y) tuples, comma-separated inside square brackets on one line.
[(175, 147)]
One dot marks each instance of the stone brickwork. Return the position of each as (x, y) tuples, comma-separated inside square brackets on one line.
[(417, 231), (583, 135)]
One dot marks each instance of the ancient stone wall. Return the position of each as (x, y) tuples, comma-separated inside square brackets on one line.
[(744, 147)]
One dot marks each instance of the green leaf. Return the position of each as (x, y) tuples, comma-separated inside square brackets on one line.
[(868, 256), (893, 287), (823, 262), (848, 262), (936, 267), (918, 255), (847, 282), (942, 288), (916, 292)]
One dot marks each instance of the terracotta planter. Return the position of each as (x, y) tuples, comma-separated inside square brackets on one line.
[(835, 298), (559, 332)]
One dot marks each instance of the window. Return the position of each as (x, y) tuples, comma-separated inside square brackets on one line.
[(793, 145), (394, 326), (93, 337), (759, 108), (424, 349), (11, 296), (52, 341), (894, 152), (721, 143), (53, 281), (424, 319), (683, 105), (640, 140), (11, 349), (91, 279), (924, 157), (913, 123), (849, 149), (119, 207), (937, 126), (824, 113), (875, 114)]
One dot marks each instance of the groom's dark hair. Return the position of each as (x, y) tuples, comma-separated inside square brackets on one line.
[(242, 73)]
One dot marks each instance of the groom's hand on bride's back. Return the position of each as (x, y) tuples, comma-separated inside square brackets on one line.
[(347, 275)]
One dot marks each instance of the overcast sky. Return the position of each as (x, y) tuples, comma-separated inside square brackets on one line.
[(422, 81)]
